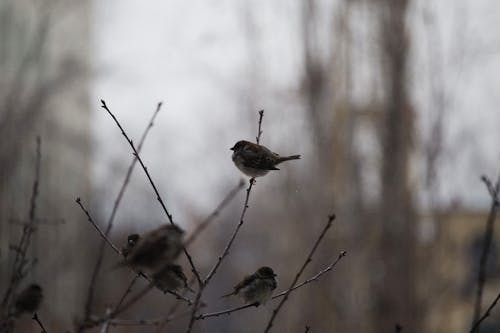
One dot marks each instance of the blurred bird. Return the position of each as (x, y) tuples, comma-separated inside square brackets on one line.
[(155, 249), (28, 300), (132, 240), (256, 288), (170, 277), (255, 160)]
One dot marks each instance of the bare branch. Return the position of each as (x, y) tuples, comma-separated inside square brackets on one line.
[(212, 272), (488, 237), (158, 197), (18, 271), (281, 294), (206, 222), (259, 132), (475, 327), (35, 318), (100, 252), (96, 227), (299, 273), (315, 277)]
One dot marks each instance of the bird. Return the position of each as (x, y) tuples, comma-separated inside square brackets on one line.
[(256, 288), (255, 160), (155, 249), (28, 300), (170, 277), (132, 240)]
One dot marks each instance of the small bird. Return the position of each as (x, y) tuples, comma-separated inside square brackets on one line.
[(28, 300), (255, 160), (256, 288), (155, 249), (170, 277), (132, 240)]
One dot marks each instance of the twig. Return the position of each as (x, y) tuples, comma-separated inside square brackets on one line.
[(96, 227), (315, 277), (488, 237), (35, 318), (120, 302), (212, 272), (299, 273), (475, 327), (281, 294), (259, 132), (158, 197), (206, 222), (147, 322), (308, 328), (100, 252), (18, 272)]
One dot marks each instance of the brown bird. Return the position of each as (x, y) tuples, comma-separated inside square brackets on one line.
[(28, 300), (256, 160), (170, 277), (155, 249), (257, 287)]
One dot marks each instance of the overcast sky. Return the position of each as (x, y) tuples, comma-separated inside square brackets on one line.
[(195, 57)]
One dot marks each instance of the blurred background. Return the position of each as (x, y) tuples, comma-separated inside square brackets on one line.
[(393, 105)]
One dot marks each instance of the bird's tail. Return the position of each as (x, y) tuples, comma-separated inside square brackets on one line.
[(288, 158)]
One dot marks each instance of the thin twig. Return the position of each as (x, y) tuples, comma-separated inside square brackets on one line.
[(194, 235), (206, 222), (315, 277), (120, 302), (488, 237), (212, 272), (158, 197), (299, 273), (308, 328), (96, 227), (100, 252), (147, 322), (281, 294), (18, 271), (475, 327), (35, 318), (259, 132)]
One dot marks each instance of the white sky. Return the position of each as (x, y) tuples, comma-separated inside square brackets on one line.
[(194, 56)]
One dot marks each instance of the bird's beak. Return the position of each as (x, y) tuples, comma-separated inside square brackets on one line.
[(231, 148)]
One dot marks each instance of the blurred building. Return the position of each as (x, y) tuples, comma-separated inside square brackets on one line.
[(44, 87), (454, 257)]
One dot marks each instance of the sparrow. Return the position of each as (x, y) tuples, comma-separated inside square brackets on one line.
[(154, 249), (132, 239), (170, 277), (28, 300), (256, 160), (256, 288)]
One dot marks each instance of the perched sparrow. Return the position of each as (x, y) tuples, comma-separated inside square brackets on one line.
[(155, 249), (170, 277), (29, 299), (132, 239), (255, 160), (256, 288)]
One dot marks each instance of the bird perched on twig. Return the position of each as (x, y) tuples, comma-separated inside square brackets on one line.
[(170, 277), (256, 160), (28, 300), (154, 249), (257, 287)]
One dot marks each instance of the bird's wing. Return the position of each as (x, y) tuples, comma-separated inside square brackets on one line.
[(244, 283), (259, 158)]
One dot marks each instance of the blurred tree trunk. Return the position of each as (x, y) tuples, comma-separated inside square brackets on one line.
[(396, 298)]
